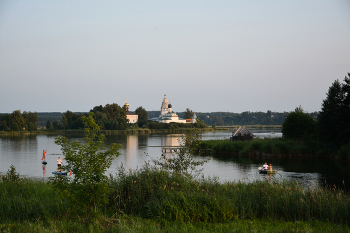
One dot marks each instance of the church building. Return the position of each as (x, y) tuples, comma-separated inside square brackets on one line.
[(167, 115), (132, 117)]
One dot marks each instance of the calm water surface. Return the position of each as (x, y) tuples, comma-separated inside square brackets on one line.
[(25, 152)]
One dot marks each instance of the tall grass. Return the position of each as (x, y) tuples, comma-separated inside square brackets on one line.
[(278, 147), (152, 200), (160, 195), (28, 200)]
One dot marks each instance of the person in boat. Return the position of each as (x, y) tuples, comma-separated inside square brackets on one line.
[(265, 167), (44, 156), (59, 163)]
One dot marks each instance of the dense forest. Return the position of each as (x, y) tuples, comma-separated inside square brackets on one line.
[(104, 116), (229, 118)]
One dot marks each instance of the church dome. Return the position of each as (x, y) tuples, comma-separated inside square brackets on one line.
[(170, 106)]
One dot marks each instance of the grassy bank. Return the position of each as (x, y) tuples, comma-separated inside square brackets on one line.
[(277, 147), (150, 200)]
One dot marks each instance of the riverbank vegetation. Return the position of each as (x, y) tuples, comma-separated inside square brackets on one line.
[(303, 135), (278, 147), (154, 200), (164, 197)]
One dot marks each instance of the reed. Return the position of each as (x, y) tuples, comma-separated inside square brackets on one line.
[(278, 147), (160, 195), (153, 200), (29, 200)]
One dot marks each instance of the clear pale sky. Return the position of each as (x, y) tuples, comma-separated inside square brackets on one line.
[(209, 56)]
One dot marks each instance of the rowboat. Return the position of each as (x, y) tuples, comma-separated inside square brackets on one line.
[(59, 173), (262, 171)]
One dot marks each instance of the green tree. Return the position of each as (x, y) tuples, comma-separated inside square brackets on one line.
[(333, 120), (15, 127), (111, 116), (298, 125), (100, 118), (74, 120), (17, 122), (31, 119), (142, 116), (55, 125), (88, 161), (188, 114), (31, 127), (48, 124), (64, 122)]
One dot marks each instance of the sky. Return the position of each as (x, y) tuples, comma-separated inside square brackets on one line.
[(208, 56)]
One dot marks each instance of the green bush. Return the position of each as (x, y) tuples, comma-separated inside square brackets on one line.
[(11, 175), (344, 152), (88, 189)]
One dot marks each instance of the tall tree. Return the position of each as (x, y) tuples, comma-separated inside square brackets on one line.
[(5, 122), (298, 125), (74, 120), (334, 118), (142, 115), (64, 122), (31, 119), (48, 123), (111, 116), (17, 122), (188, 114)]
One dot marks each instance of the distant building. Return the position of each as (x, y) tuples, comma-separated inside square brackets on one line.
[(194, 118), (132, 117), (167, 115)]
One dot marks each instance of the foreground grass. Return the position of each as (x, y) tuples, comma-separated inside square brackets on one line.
[(150, 200), (159, 195), (135, 224), (278, 147)]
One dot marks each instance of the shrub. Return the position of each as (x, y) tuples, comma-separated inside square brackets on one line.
[(88, 189)]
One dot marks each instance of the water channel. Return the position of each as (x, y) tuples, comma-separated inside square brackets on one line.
[(25, 152)]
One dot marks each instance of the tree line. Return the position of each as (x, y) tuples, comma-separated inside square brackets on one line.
[(331, 127), (230, 118), (111, 117), (18, 121), (331, 123)]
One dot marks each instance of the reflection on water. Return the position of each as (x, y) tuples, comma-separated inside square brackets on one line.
[(44, 170), (25, 153)]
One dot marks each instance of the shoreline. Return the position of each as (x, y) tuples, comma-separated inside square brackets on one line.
[(138, 130)]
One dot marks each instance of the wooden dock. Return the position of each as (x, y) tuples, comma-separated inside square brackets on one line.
[(175, 149), (171, 149)]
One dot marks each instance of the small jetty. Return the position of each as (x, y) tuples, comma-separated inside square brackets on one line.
[(171, 149), (178, 148)]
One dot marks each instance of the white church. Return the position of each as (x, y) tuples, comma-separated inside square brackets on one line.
[(167, 115)]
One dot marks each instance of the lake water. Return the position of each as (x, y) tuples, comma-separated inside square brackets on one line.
[(25, 153)]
